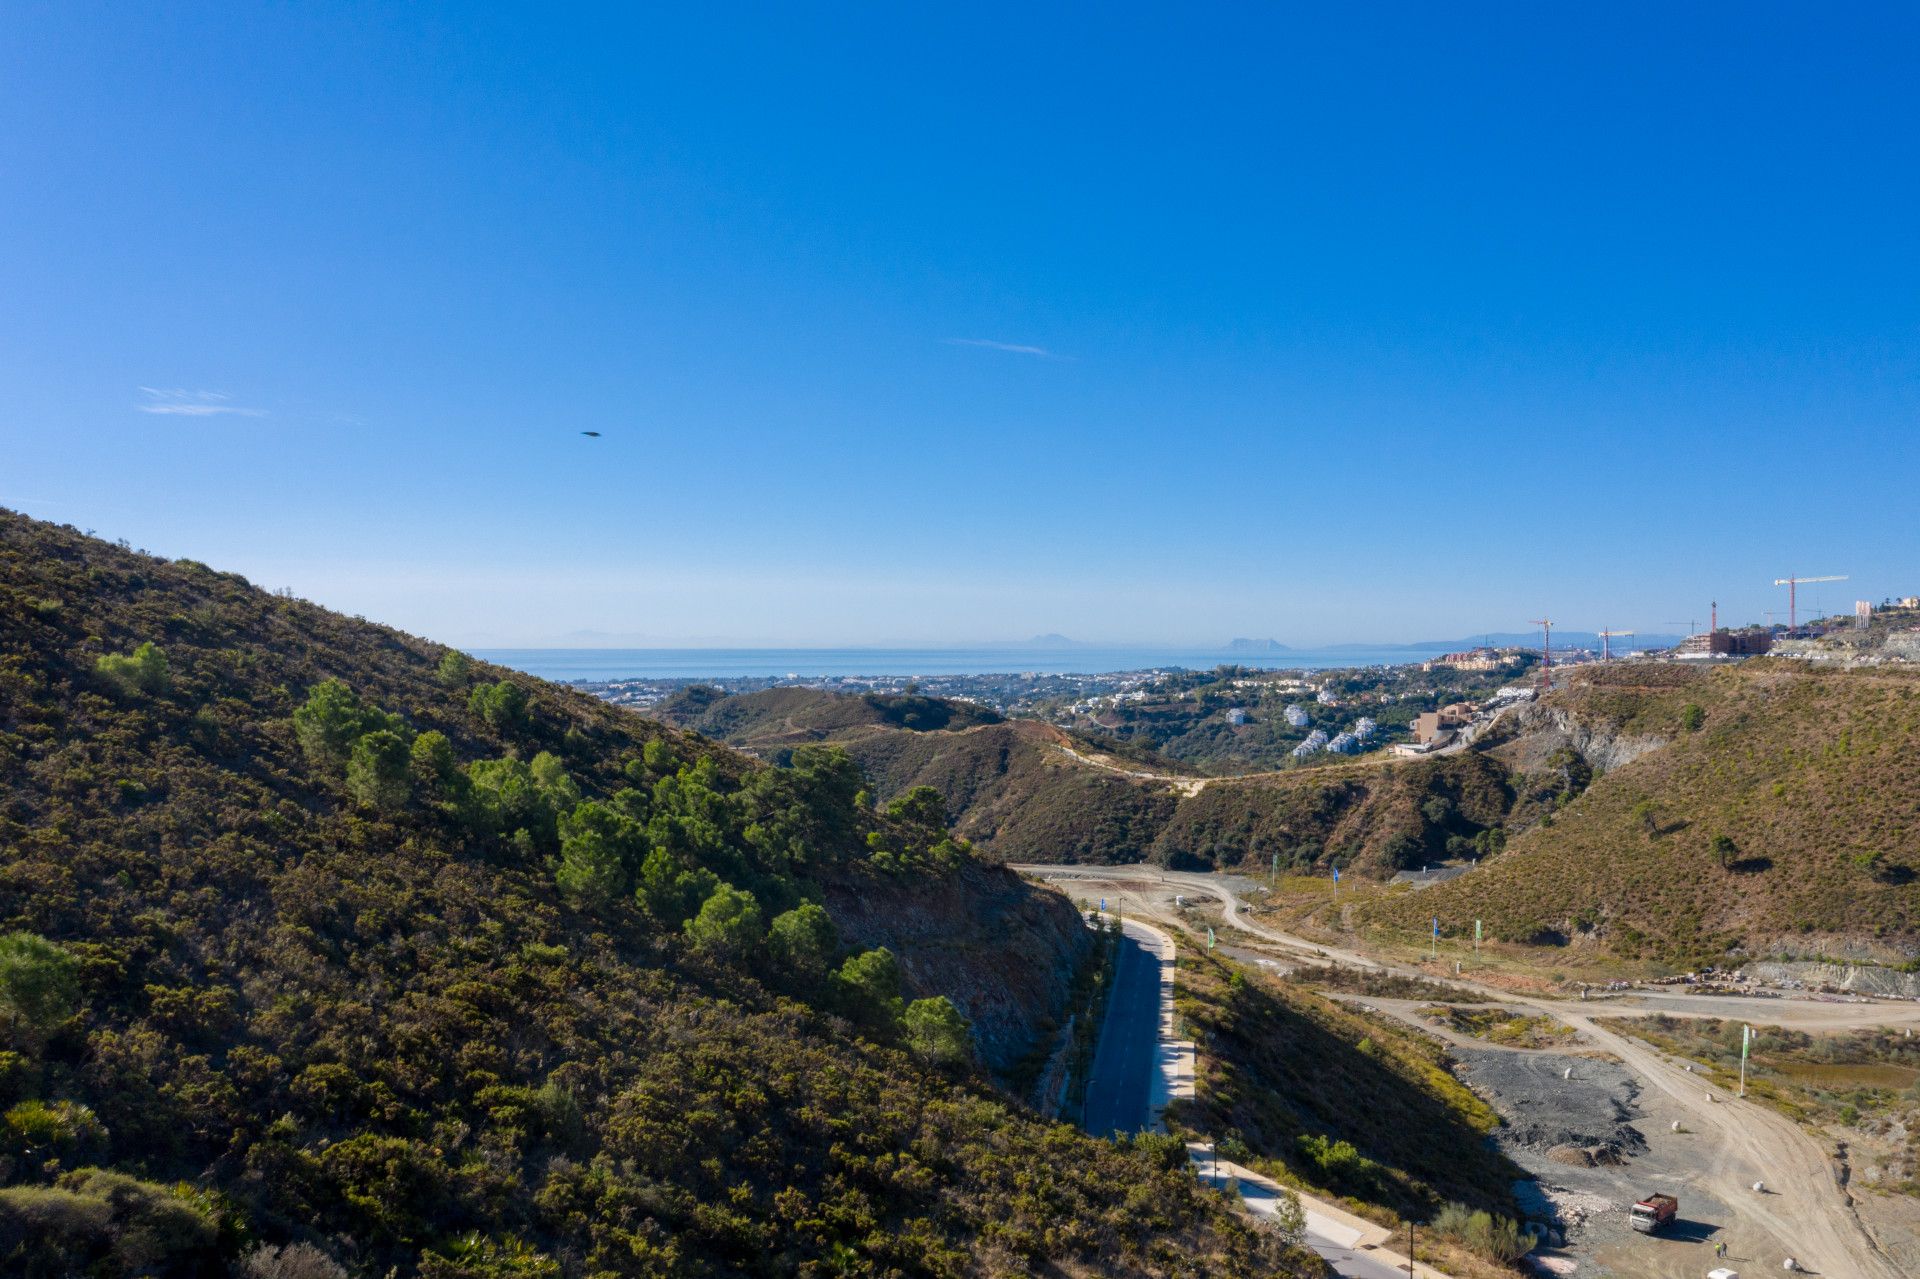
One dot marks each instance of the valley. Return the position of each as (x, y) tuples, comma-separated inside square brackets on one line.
[(1721, 1144), (280, 862)]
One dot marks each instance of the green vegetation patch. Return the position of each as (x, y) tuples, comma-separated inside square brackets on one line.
[(1500, 1026), (1324, 1097), (408, 965)]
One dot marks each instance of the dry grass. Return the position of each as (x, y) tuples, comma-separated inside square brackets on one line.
[(1788, 824)]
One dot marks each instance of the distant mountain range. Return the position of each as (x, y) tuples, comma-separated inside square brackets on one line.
[(1256, 646)]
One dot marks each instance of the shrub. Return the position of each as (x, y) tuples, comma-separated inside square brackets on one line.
[(38, 984), (332, 720), (503, 706), (1340, 1165), (658, 758), (142, 671), (1289, 1219), (432, 764), (1498, 1239), (869, 985), (590, 871), (475, 1256), (729, 922), (803, 940), (936, 1032), (33, 1127), (1692, 716), (295, 1261), (921, 806), (454, 668), (377, 770)]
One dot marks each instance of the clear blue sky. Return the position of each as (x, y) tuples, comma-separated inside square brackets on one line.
[(942, 323)]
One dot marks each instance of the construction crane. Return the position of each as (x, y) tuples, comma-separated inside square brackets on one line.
[(1606, 654), (1793, 585), (1546, 653), (1691, 626)]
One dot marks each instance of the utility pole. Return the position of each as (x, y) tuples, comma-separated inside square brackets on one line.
[(1746, 1042), (1409, 1250)]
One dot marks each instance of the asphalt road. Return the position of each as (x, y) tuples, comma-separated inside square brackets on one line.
[(1805, 1214), (1120, 1084)]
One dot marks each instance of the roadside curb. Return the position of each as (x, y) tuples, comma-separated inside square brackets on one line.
[(1174, 1080)]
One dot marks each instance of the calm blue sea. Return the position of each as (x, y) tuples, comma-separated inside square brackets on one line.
[(718, 663)]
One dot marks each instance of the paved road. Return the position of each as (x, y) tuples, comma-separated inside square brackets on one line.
[(1120, 1087), (1120, 1096), (1805, 1210)]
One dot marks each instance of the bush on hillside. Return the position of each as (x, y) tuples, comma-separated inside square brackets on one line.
[(936, 1032), (142, 671), (39, 986)]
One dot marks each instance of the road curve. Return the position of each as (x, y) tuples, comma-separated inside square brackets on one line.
[(1805, 1209)]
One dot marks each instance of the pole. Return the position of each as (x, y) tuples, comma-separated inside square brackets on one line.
[(1476, 939), (1746, 1040), (1435, 952), (1409, 1249), (1273, 876)]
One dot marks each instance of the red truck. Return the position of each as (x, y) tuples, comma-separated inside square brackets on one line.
[(1653, 1212)]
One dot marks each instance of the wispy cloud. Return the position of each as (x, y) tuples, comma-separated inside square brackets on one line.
[(176, 402), (1012, 348)]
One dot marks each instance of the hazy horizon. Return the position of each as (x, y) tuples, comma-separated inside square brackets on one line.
[(1312, 324)]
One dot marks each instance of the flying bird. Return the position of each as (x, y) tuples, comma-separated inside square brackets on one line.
[(594, 434)]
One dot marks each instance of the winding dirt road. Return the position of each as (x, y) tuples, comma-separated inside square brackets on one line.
[(1806, 1213)]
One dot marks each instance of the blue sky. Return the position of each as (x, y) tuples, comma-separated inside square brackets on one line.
[(935, 324)]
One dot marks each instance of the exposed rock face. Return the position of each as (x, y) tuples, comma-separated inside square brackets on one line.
[(1542, 730), (1864, 979), (1002, 949)]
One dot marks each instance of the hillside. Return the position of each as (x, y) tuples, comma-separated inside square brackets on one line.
[(1289, 1076), (1756, 810), (777, 717), (1013, 788), (319, 937)]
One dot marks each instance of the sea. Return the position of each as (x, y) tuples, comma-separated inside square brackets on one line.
[(566, 664)]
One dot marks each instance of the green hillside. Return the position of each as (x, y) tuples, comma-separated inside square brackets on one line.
[(1020, 797), (1375, 817), (783, 717), (318, 937), (1782, 819), (1287, 1075)]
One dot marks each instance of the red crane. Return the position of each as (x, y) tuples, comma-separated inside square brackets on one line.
[(1792, 584)]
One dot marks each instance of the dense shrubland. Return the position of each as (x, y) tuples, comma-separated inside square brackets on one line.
[(330, 951)]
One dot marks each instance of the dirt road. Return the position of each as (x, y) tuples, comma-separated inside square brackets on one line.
[(1805, 1212)]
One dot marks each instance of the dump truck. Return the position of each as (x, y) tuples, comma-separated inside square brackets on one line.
[(1653, 1212)]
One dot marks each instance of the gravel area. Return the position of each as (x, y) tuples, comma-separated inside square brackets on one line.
[(1549, 1114), (1585, 1142)]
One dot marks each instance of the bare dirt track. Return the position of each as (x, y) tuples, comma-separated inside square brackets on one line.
[(1725, 1143)]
